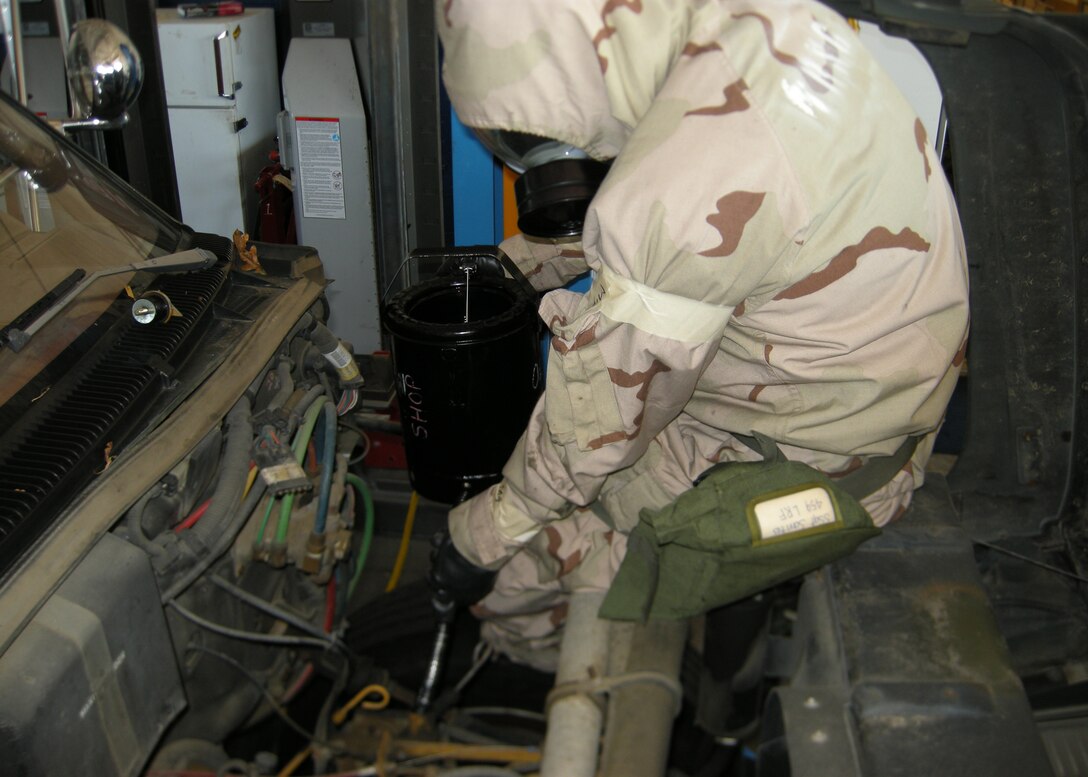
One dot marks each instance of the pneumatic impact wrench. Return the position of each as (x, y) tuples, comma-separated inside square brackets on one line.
[(456, 581)]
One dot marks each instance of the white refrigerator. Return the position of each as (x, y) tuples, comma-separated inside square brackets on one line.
[(222, 96)]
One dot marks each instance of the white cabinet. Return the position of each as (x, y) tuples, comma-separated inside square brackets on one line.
[(222, 96)]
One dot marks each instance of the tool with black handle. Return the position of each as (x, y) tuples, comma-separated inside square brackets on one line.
[(457, 582)]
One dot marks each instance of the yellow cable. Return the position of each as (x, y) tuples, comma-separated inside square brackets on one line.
[(294, 763), (509, 754), (251, 478), (402, 552), (378, 704)]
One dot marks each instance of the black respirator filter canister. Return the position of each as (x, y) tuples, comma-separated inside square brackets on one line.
[(552, 199)]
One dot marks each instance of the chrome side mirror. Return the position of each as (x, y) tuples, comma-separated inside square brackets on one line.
[(105, 74)]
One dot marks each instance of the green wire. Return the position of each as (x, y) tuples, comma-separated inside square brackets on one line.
[(287, 504), (302, 440), (264, 522), (306, 431), (368, 529)]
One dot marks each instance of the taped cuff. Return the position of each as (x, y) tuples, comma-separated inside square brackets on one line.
[(487, 532)]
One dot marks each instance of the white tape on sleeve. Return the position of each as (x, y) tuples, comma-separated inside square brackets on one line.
[(660, 313)]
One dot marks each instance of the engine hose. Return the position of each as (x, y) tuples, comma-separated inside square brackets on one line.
[(304, 404), (269, 608), (286, 385), (233, 468), (134, 520), (335, 353), (321, 336), (223, 542), (359, 485), (327, 466), (309, 421), (361, 423)]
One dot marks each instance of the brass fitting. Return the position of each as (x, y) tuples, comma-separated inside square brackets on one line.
[(315, 550)]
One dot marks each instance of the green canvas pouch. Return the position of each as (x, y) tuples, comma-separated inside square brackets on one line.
[(745, 527)]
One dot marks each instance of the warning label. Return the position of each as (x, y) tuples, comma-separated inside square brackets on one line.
[(322, 167)]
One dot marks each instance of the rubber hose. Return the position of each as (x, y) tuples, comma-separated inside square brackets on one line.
[(360, 487), (225, 540), (327, 466), (323, 338), (233, 467), (134, 519), (364, 424), (302, 406), (287, 385)]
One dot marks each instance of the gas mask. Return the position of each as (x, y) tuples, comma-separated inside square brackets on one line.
[(556, 182)]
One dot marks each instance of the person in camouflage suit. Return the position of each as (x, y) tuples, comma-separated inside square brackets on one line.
[(775, 250)]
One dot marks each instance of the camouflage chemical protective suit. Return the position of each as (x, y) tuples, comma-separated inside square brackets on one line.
[(774, 250)]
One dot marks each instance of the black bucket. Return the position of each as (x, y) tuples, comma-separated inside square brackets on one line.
[(466, 384)]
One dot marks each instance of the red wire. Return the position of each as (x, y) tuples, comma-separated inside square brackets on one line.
[(311, 456), (300, 683), (330, 606), (193, 517)]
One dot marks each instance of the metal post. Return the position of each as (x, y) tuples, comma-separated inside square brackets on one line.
[(13, 37), (67, 14)]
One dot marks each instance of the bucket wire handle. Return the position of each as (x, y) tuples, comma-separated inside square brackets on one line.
[(515, 272), (467, 252), (468, 275)]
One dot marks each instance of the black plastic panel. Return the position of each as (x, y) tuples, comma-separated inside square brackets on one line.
[(60, 444)]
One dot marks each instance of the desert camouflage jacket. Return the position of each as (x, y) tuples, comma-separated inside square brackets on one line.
[(775, 248)]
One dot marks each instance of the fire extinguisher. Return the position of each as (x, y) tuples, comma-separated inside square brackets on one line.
[(276, 216)]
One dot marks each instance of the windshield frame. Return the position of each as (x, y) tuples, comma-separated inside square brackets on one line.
[(53, 160), (87, 219)]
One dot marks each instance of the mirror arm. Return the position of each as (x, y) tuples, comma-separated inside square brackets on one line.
[(79, 125)]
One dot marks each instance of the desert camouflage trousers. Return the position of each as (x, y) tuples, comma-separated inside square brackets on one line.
[(523, 616)]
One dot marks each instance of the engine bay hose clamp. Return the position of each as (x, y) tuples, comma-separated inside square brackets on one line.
[(601, 687)]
